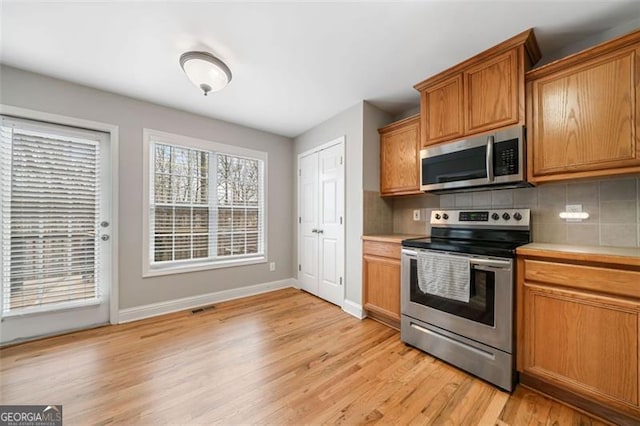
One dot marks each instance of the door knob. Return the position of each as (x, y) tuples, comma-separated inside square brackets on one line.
[(320, 231), (104, 223), (314, 231), (104, 237)]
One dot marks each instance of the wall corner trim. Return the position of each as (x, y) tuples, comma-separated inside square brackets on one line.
[(161, 308), (295, 283), (353, 309)]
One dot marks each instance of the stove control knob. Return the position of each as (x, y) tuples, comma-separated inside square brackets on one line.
[(445, 216), (506, 216), (517, 216), (437, 216), (495, 216)]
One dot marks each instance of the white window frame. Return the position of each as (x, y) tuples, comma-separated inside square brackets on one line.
[(150, 136)]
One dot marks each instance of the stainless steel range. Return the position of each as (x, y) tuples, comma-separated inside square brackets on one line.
[(458, 290)]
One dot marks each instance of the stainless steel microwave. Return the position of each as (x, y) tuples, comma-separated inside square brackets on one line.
[(481, 162)]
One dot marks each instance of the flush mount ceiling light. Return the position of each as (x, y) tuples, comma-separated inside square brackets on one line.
[(205, 71)]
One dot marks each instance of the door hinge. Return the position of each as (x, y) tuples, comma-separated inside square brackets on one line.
[(340, 220), (299, 172), (299, 267), (341, 159), (340, 280), (299, 219)]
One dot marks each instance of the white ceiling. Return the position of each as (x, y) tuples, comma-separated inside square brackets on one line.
[(294, 64)]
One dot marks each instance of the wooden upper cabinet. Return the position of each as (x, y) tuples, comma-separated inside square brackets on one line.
[(443, 111), (491, 93), (399, 157), (483, 93), (584, 113)]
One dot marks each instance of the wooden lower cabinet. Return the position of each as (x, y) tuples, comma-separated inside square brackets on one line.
[(578, 332), (381, 278)]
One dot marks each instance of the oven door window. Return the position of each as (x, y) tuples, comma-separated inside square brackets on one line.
[(481, 305)]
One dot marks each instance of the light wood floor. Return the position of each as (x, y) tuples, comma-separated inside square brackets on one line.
[(284, 357)]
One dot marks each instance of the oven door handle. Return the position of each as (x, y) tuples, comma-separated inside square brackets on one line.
[(408, 252), (491, 263)]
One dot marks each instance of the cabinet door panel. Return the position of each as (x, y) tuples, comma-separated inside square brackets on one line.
[(442, 111), (382, 286), (399, 160), (584, 118), (582, 341), (492, 94)]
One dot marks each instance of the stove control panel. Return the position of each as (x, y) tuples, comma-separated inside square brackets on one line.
[(486, 218)]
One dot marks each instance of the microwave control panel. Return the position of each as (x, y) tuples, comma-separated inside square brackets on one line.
[(505, 158)]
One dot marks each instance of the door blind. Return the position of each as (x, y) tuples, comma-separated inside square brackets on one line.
[(50, 205)]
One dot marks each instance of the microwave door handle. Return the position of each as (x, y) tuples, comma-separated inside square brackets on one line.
[(490, 141)]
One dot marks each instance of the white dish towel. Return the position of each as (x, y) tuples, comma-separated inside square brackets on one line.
[(444, 275)]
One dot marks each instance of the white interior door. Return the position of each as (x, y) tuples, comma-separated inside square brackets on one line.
[(321, 222), (55, 219), (330, 235), (308, 223)]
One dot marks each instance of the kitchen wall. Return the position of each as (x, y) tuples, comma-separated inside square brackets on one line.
[(583, 43), (411, 111), (377, 211), (37, 92), (359, 125), (348, 123), (613, 206)]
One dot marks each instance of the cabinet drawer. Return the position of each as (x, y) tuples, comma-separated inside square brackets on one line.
[(378, 248), (605, 280)]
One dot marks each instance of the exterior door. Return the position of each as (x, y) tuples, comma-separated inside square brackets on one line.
[(55, 248), (321, 222)]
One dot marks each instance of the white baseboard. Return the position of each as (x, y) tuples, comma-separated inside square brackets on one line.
[(161, 308), (354, 309)]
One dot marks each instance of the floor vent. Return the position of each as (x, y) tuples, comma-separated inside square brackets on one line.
[(202, 309)]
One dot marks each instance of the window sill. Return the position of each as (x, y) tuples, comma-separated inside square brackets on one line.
[(155, 271)]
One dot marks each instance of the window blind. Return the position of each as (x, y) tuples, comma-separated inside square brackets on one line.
[(205, 206), (50, 207), (239, 211)]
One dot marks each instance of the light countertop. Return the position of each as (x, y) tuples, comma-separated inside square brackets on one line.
[(391, 238), (618, 255)]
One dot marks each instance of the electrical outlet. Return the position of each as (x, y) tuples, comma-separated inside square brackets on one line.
[(416, 214), (272, 266)]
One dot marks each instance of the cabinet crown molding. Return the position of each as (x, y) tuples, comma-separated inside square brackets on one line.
[(587, 54), (399, 124), (526, 38)]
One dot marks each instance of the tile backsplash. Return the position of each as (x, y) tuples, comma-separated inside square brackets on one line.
[(403, 208), (378, 214), (613, 206)]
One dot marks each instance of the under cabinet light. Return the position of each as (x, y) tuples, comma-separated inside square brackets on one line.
[(574, 215)]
